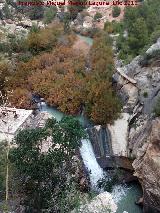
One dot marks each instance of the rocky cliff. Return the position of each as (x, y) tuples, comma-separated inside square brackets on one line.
[(138, 85), (147, 168)]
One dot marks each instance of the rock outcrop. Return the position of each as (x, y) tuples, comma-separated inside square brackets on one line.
[(146, 90), (138, 85), (147, 168), (110, 144)]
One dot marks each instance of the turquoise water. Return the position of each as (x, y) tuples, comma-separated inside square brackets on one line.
[(127, 201), (88, 40), (128, 194), (59, 115)]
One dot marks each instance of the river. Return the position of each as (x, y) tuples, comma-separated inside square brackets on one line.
[(123, 195)]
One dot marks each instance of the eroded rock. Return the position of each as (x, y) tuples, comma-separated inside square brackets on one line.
[(147, 168)]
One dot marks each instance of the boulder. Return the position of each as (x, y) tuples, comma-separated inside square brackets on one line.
[(101, 203), (9, 21), (26, 23), (154, 47), (88, 22)]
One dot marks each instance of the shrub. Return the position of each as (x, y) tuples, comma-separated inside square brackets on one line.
[(97, 16), (77, 7), (150, 58), (7, 11), (108, 27), (44, 40), (50, 183), (34, 28), (116, 11), (3, 149), (157, 108), (142, 25), (155, 35), (145, 94), (49, 14)]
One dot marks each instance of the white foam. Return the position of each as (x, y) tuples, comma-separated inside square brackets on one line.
[(89, 159), (118, 192)]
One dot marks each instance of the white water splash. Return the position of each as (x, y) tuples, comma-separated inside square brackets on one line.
[(118, 192), (89, 159)]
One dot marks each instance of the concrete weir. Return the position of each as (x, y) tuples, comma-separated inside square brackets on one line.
[(110, 144)]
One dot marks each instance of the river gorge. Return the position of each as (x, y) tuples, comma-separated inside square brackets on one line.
[(115, 136), (99, 66), (124, 195)]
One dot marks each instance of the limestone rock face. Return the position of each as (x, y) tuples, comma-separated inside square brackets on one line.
[(147, 168), (138, 84), (146, 90), (154, 47)]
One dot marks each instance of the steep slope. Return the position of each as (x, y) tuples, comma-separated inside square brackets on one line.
[(140, 99)]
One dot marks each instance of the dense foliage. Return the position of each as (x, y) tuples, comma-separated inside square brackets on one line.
[(76, 7), (97, 16), (36, 11), (49, 14), (142, 26), (58, 74), (116, 11), (157, 108), (103, 105), (44, 158), (3, 156)]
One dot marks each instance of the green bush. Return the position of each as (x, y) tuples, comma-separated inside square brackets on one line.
[(7, 11), (50, 183), (143, 27), (34, 28), (97, 16), (150, 58), (145, 94), (49, 14), (155, 35), (116, 11), (157, 108), (2, 165)]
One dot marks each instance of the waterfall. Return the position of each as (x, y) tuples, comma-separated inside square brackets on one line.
[(95, 171), (123, 196)]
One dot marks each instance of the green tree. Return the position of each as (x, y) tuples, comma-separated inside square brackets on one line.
[(138, 35), (7, 11), (35, 11), (47, 175), (136, 20), (102, 105), (78, 6)]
